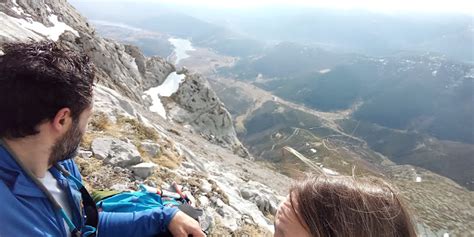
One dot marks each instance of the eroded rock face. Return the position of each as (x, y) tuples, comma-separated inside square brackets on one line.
[(157, 69), (195, 103), (122, 68), (264, 198), (115, 152)]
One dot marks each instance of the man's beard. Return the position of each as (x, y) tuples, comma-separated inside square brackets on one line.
[(67, 145)]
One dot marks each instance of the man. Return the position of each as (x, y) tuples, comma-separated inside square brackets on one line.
[(45, 103)]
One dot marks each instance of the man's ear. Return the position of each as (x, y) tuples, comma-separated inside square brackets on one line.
[(62, 120)]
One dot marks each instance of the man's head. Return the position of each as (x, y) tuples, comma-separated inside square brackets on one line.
[(45, 90)]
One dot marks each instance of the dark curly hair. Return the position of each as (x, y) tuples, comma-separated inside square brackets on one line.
[(37, 79), (350, 207)]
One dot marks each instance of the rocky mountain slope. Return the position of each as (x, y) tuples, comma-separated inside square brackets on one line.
[(197, 104), (127, 144)]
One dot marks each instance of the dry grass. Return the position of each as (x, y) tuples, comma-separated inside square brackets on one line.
[(136, 132), (219, 192), (141, 131), (251, 230), (245, 231), (99, 122), (86, 140), (88, 167), (168, 159)]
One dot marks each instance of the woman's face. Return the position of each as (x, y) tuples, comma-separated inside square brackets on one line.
[(287, 223)]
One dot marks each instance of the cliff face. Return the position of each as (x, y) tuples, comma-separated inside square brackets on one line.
[(120, 67), (195, 103)]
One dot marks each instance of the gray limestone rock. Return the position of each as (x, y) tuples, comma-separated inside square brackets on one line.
[(205, 187), (115, 151), (265, 201), (196, 104), (144, 170), (151, 148)]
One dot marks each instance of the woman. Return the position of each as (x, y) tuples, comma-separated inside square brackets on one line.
[(342, 206)]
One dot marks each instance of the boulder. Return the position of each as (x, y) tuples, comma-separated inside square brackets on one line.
[(203, 201), (205, 186), (84, 154), (115, 152), (143, 170), (247, 194), (265, 202), (151, 149)]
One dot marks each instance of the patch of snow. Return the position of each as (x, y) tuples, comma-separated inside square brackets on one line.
[(52, 33), (169, 86), (182, 46), (313, 150), (324, 71), (17, 8), (420, 146), (1, 53), (434, 73), (280, 109), (418, 179), (446, 235), (330, 172), (48, 8), (470, 74), (133, 64)]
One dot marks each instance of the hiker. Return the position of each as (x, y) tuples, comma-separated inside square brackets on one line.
[(45, 103), (343, 206)]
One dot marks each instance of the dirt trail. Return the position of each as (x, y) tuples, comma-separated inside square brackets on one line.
[(302, 158), (260, 96)]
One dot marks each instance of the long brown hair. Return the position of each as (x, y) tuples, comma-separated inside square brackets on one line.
[(348, 206)]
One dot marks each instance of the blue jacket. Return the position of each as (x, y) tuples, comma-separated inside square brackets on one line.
[(26, 211)]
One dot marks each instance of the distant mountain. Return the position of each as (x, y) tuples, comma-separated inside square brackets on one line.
[(172, 22), (151, 43), (369, 33), (414, 109), (295, 139), (425, 93)]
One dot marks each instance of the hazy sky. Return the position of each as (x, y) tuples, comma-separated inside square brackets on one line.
[(462, 6)]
